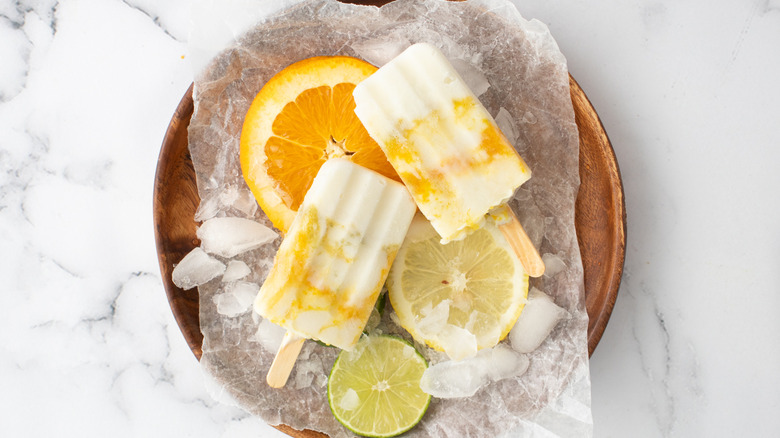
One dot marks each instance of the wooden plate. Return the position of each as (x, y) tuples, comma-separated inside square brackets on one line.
[(600, 220)]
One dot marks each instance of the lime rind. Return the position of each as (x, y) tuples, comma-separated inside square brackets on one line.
[(371, 359)]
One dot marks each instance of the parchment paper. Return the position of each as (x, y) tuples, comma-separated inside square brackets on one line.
[(528, 93)]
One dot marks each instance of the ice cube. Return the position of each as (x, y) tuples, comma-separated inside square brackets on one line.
[(237, 298), (453, 379), (458, 342), (321, 380), (350, 401), (472, 76), (236, 270), (463, 378), (502, 362), (373, 321), (538, 319), (484, 324), (434, 319), (507, 125), (208, 208), (243, 201), (223, 200), (553, 264), (269, 335), (196, 268), (306, 371), (230, 236), (380, 50)]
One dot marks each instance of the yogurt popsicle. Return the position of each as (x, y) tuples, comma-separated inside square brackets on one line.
[(444, 145), (332, 263)]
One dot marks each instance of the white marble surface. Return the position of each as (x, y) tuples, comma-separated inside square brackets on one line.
[(688, 92)]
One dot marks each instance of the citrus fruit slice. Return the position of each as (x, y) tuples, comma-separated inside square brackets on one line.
[(301, 117), (374, 390), (458, 297)]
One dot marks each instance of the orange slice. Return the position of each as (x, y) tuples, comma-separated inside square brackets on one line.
[(303, 116)]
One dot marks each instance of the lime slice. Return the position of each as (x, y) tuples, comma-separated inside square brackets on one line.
[(459, 297), (374, 390)]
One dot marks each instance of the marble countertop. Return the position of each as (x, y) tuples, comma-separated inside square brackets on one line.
[(687, 91)]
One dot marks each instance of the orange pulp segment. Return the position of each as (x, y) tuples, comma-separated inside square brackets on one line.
[(303, 116)]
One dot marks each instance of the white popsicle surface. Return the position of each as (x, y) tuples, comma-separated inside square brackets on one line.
[(443, 143), (333, 261)]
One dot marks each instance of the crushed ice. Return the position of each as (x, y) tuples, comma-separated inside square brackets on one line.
[(350, 401), (434, 319), (379, 51), (231, 197), (230, 236), (458, 343), (506, 123), (553, 264), (463, 378), (236, 270), (195, 269), (237, 298), (308, 369), (529, 118), (471, 75), (539, 318), (269, 335)]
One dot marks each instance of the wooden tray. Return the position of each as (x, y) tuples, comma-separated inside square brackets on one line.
[(600, 220)]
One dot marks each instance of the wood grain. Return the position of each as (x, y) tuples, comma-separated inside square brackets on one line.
[(600, 216), (285, 360), (522, 246), (174, 204)]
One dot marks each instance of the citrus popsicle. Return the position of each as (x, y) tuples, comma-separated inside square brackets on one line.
[(444, 145), (334, 259)]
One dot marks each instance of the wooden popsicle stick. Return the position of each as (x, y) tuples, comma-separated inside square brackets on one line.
[(285, 359), (520, 242)]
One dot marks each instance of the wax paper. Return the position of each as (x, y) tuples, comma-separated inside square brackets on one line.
[(525, 80)]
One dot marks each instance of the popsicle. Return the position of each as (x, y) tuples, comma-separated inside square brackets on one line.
[(445, 146), (332, 263)]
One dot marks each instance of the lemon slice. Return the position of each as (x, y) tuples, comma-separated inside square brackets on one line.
[(459, 297), (374, 390)]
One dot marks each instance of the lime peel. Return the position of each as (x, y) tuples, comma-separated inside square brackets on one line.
[(374, 390)]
